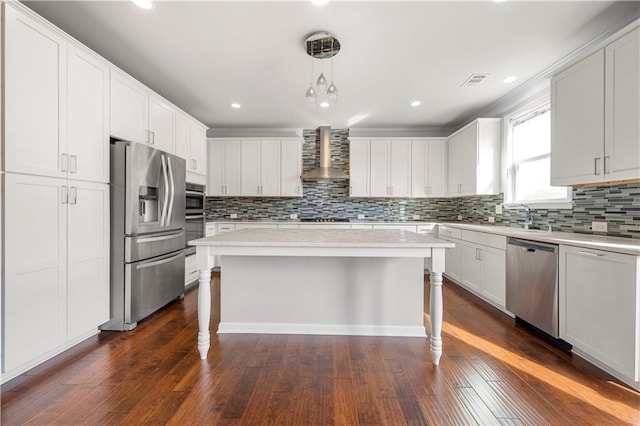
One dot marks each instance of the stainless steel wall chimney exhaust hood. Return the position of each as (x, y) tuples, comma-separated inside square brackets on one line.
[(325, 171)]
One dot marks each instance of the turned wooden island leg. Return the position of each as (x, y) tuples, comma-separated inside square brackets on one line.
[(435, 304), (204, 311)]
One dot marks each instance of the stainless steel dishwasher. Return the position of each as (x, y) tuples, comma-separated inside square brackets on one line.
[(532, 283)]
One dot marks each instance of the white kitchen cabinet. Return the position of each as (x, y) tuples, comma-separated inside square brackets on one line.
[(453, 258), (260, 167), (390, 168), (599, 305), (191, 144), (190, 269), (395, 226), (224, 168), (35, 96), (129, 108), (88, 116), (428, 167), (291, 168), (474, 158), (162, 117), (595, 116), (56, 266), (210, 229), (359, 167)]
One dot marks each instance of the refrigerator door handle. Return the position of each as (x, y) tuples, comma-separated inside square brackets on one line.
[(165, 200), (173, 192), (145, 265)]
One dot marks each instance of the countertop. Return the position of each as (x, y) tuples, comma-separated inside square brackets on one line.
[(322, 238)]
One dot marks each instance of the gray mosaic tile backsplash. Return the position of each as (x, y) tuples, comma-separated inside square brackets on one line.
[(619, 205)]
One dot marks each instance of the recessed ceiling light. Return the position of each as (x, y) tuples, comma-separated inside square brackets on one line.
[(415, 103), (236, 105), (319, 2), (510, 79), (143, 4)]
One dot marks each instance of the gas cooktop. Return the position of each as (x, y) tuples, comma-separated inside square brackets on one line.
[(323, 219)]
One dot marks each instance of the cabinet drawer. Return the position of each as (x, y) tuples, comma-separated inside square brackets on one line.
[(426, 229), (225, 227), (491, 240), (210, 230), (411, 228), (190, 269), (447, 231)]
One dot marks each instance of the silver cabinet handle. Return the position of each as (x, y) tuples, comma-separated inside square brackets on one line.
[(64, 195), (596, 169), (73, 164), (153, 138), (606, 164), (73, 194), (586, 253), (64, 162), (195, 164)]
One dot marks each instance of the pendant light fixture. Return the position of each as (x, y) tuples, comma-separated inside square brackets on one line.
[(321, 45)]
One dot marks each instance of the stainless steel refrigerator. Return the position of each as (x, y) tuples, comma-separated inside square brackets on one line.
[(147, 232)]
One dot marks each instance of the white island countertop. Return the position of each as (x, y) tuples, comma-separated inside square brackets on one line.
[(322, 281)]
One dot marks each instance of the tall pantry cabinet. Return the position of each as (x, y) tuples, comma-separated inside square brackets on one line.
[(56, 192)]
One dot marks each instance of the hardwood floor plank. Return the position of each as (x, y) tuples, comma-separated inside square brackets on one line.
[(492, 372)]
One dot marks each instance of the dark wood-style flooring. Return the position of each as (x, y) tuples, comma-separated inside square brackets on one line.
[(492, 372)]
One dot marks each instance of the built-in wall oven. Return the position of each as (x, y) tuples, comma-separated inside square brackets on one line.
[(195, 227)]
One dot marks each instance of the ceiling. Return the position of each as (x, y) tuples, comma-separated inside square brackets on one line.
[(204, 55)]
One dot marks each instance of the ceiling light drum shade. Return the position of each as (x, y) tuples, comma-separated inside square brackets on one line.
[(322, 45)]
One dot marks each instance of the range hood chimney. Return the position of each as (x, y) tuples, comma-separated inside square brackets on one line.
[(325, 171)]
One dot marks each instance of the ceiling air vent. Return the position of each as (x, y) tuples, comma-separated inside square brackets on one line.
[(475, 79)]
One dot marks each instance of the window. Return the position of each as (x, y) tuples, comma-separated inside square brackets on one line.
[(528, 156)]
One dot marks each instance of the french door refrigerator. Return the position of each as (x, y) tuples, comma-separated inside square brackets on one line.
[(147, 232)]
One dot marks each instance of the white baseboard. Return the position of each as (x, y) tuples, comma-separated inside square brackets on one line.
[(324, 329)]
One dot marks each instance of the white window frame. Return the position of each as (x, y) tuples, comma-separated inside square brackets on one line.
[(540, 103)]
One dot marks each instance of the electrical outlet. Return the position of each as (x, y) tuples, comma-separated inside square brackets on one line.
[(498, 208), (491, 219), (360, 216), (459, 217), (599, 226), (233, 215), (416, 217), (293, 216)]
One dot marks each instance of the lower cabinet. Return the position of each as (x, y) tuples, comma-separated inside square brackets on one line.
[(56, 257), (599, 304), (190, 269)]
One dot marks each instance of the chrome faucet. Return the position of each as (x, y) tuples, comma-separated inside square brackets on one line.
[(528, 220)]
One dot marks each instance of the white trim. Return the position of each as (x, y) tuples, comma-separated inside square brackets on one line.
[(322, 329)]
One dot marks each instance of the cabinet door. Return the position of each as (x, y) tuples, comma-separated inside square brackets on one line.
[(250, 182), (198, 151), (270, 168), (359, 168), (598, 306), (454, 165), (492, 275), (469, 159), (183, 139), (437, 168), (34, 299), (379, 168), (419, 167), (453, 258), (129, 109), (400, 168), (577, 122), (88, 116), (622, 107), (161, 124), (291, 164), (88, 257), (35, 94), (232, 167), (216, 168), (470, 266)]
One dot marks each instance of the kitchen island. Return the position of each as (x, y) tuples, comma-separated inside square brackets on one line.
[(322, 281)]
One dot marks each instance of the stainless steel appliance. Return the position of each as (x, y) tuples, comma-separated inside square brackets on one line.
[(147, 232), (195, 218), (532, 283), (324, 219)]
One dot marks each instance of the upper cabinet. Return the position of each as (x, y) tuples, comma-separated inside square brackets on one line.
[(191, 144), (56, 103), (429, 167), (255, 167), (474, 158), (162, 118), (359, 163), (595, 116)]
